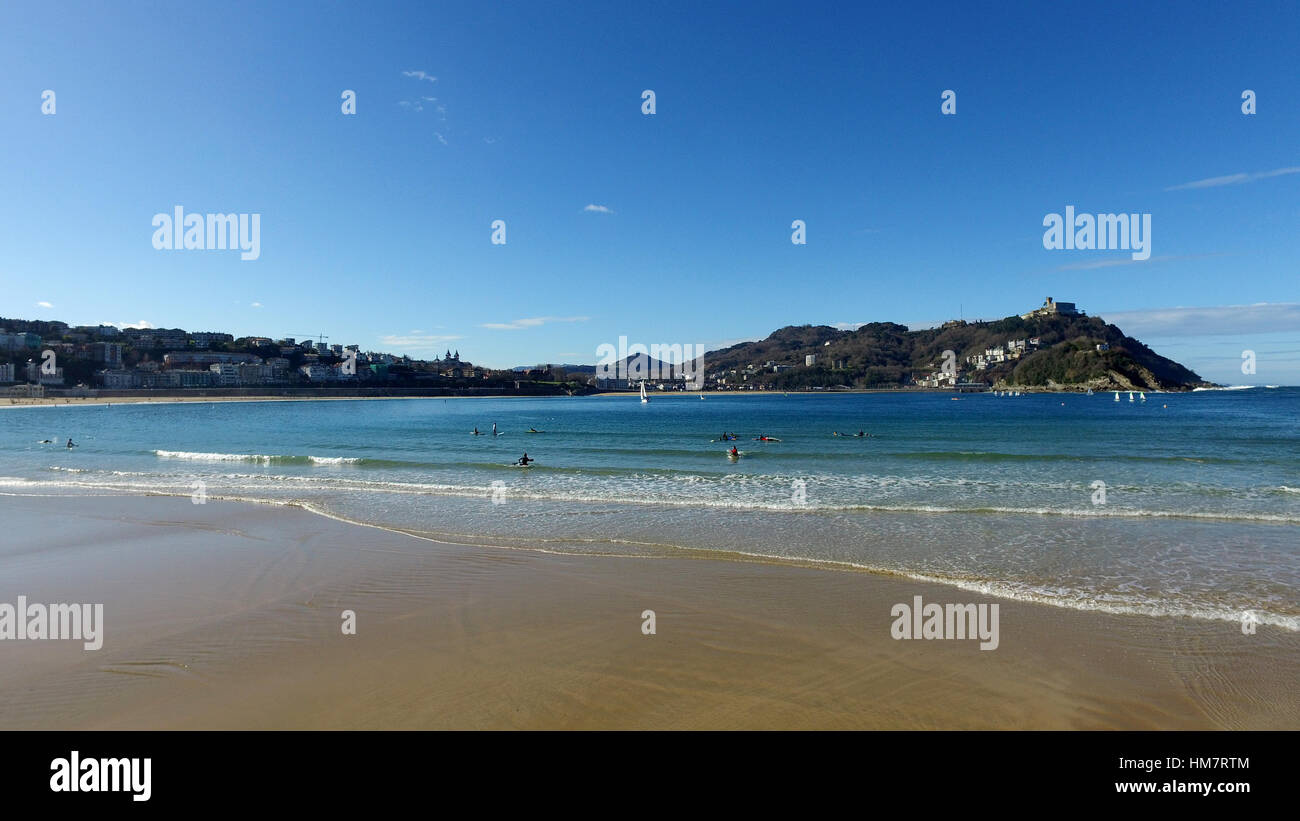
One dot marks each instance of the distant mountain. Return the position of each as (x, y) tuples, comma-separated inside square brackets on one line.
[(663, 367), (1071, 352)]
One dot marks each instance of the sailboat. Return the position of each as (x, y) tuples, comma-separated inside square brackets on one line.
[(1116, 396), (644, 399), (1130, 396), (1090, 391), (1142, 396)]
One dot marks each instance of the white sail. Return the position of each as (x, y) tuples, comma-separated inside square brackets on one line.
[(1130, 396), (1116, 396), (644, 398), (1142, 396)]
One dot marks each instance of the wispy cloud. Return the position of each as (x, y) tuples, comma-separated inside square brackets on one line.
[(1235, 179), (44, 305), (441, 138), (1128, 260), (598, 209), (534, 322), (421, 75), (416, 340), (1262, 317), (256, 305), (413, 106)]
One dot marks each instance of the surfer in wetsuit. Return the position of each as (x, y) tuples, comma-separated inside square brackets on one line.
[(734, 452), (71, 444), (524, 460), (476, 433)]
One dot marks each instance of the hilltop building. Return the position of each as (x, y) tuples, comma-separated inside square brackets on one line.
[(1050, 308)]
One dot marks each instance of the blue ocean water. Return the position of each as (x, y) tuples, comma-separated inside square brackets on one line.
[(1185, 505)]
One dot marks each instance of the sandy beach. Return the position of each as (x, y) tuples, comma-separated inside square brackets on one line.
[(228, 615), (74, 401)]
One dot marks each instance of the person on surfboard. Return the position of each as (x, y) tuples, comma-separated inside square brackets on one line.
[(524, 460)]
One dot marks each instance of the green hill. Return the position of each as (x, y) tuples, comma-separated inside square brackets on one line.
[(1071, 352)]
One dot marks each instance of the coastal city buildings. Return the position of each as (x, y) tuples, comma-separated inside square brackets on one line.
[(37, 354)]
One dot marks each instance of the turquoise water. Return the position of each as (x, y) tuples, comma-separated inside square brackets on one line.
[(1200, 516)]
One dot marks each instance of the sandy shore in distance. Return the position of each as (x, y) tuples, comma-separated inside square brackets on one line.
[(227, 615), (18, 402), (171, 400)]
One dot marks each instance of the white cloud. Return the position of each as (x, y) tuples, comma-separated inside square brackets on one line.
[(257, 305), (420, 75), (143, 323), (598, 209), (1234, 179), (44, 305), (1128, 260), (441, 138), (1262, 317), (534, 322)]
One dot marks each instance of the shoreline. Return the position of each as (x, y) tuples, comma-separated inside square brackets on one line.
[(226, 615), (75, 401), (90, 401)]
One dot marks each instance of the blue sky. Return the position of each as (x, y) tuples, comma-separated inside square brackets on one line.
[(375, 228)]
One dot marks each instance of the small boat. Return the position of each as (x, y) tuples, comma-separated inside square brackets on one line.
[(644, 399), (1116, 396), (1130, 396), (1142, 396), (1090, 391)]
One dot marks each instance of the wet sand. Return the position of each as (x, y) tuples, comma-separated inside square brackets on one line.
[(228, 615)]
